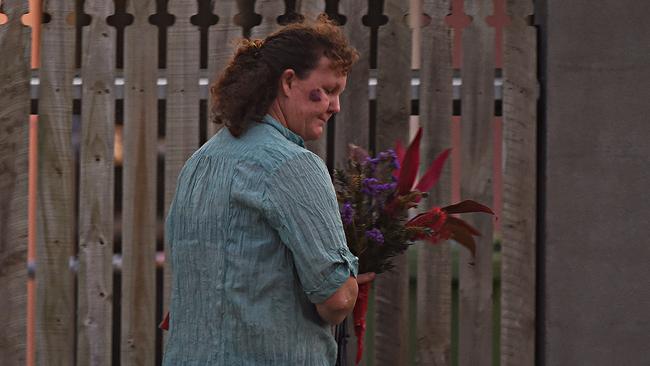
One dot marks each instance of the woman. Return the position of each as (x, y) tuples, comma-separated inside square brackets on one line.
[(260, 264)]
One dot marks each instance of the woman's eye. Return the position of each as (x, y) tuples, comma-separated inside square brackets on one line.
[(328, 91)]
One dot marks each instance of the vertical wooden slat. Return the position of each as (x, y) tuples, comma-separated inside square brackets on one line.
[(352, 123), (95, 276), (182, 124), (477, 97), (434, 266), (14, 147), (518, 245), (138, 321), (269, 10), (310, 10), (31, 235), (56, 222), (393, 110), (221, 46)]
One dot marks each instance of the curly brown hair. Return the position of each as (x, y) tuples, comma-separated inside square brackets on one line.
[(249, 84)]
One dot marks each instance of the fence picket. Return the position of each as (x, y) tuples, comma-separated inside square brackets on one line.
[(518, 245), (310, 10), (138, 306), (14, 134), (221, 47), (182, 124), (56, 191), (393, 111), (269, 10), (96, 182), (433, 327), (353, 122), (475, 297)]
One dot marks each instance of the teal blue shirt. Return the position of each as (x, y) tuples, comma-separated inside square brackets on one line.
[(255, 240)]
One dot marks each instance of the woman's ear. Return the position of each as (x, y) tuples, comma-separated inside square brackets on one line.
[(287, 80)]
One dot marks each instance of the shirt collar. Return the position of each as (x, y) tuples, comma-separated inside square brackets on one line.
[(287, 133)]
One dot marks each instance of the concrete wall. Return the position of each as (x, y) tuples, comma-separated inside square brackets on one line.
[(595, 254)]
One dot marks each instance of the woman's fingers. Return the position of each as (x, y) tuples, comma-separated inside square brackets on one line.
[(365, 277)]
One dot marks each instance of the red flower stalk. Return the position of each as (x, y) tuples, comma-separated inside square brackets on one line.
[(359, 315), (164, 325)]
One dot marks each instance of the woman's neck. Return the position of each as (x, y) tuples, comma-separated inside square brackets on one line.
[(275, 111)]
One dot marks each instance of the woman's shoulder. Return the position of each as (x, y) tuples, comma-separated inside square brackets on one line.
[(269, 147), (260, 145)]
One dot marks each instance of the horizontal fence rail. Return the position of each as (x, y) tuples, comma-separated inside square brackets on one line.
[(204, 85)]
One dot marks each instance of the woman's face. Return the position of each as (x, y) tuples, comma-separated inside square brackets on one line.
[(309, 103)]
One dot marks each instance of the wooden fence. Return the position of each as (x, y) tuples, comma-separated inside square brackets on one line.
[(110, 150)]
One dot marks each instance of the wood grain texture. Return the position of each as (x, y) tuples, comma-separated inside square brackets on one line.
[(182, 124), (393, 110), (353, 122), (14, 147), (433, 326), (96, 182), (138, 323), (55, 300), (269, 10), (310, 10), (477, 98), (221, 47), (519, 212)]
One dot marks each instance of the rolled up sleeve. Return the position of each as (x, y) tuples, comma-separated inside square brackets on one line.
[(300, 204)]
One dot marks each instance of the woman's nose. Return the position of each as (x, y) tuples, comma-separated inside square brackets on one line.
[(334, 106)]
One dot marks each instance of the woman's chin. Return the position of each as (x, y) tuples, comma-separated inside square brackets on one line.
[(314, 134)]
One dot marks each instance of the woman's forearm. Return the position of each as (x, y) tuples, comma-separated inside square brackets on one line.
[(340, 304)]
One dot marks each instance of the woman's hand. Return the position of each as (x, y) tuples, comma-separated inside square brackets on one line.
[(366, 277), (341, 303)]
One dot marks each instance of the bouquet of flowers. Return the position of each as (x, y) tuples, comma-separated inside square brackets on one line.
[(375, 195)]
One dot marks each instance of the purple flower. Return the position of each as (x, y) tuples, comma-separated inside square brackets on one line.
[(391, 156), (388, 155), (395, 163), (375, 235), (371, 163), (369, 186), (386, 186), (372, 187), (347, 213)]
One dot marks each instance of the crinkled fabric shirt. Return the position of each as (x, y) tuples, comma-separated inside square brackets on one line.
[(255, 240)]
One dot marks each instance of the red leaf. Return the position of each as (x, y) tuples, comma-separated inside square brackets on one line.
[(462, 235), (442, 235), (434, 219), (399, 151), (410, 166), (458, 222), (431, 176), (359, 315), (467, 206)]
